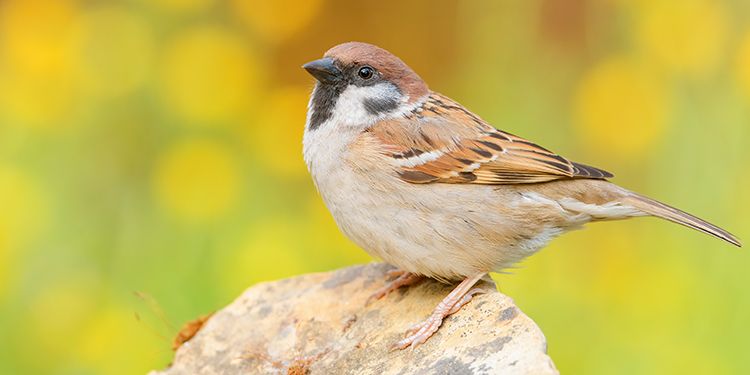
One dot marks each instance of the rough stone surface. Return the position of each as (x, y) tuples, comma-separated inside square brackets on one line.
[(319, 324)]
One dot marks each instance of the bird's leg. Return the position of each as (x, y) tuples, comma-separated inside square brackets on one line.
[(403, 279), (466, 298), (458, 297)]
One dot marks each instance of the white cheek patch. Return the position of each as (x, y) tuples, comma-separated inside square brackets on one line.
[(350, 107)]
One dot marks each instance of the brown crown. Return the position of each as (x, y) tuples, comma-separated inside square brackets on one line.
[(390, 66)]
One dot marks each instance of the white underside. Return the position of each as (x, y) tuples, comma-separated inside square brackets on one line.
[(445, 231)]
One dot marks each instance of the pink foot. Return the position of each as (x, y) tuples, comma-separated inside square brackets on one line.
[(460, 296), (404, 279)]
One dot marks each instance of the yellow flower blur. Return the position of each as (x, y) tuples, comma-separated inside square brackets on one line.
[(156, 146), (743, 64), (197, 179), (259, 251), (36, 63), (36, 35), (182, 5), (208, 75), (21, 217), (111, 325), (276, 135), (62, 309), (621, 108), (275, 20), (115, 50), (684, 37)]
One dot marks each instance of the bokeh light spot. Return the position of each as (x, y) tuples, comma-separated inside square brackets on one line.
[(276, 20), (22, 216), (111, 325), (38, 103), (275, 136), (36, 34), (62, 309), (181, 6), (265, 246), (115, 50), (743, 64), (208, 75), (686, 37), (197, 179), (36, 64), (620, 108)]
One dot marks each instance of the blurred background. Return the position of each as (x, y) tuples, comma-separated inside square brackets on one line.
[(151, 168)]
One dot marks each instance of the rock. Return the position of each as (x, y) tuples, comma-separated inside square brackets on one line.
[(319, 324)]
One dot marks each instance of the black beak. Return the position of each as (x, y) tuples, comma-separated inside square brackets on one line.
[(324, 70)]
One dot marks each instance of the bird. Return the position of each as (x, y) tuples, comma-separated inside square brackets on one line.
[(422, 183)]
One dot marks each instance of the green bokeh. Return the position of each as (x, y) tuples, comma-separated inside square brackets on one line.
[(155, 147)]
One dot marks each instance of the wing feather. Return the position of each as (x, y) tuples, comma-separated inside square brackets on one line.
[(441, 141)]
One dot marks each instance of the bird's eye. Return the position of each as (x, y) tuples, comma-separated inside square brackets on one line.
[(366, 72)]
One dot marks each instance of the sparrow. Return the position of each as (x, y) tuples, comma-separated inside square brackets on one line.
[(419, 181)]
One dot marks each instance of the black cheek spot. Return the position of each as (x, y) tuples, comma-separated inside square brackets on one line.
[(378, 106)]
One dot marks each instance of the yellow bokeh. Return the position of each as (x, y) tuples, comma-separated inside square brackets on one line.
[(743, 64), (685, 37), (276, 20), (36, 63), (22, 216), (620, 108), (115, 50), (62, 309), (180, 6), (36, 35), (263, 248), (98, 348), (275, 136), (37, 103), (130, 132), (197, 179), (208, 75)]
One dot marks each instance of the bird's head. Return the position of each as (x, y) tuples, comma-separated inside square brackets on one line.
[(359, 83)]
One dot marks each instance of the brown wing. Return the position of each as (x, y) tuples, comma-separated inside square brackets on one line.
[(443, 142)]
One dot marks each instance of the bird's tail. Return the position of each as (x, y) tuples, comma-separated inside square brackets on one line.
[(658, 209)]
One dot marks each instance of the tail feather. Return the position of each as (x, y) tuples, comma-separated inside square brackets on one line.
[(656, 208)]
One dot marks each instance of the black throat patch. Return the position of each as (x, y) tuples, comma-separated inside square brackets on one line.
[(324, 99)]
